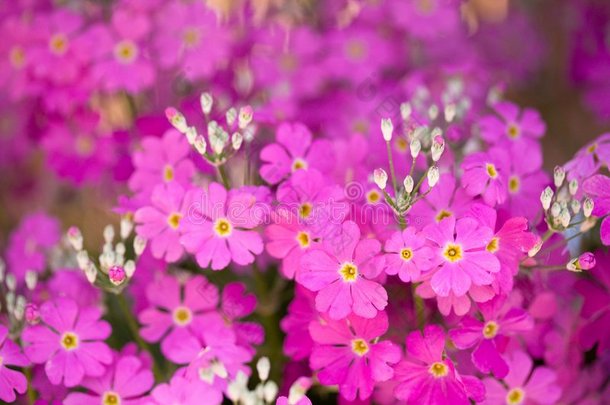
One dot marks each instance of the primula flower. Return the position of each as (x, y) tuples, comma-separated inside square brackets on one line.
[(161, 160), (407, 255), (294, 151), (598, 188), (461, 304), (491, 336), (589, 158), (460, 251), (176, 313), (183, 391), (539, 388), (341, 273), (512, 125), (11, 380), (218, 227), (485, 174), (126, 381), (68, 340), (160, 222), (427, 377), (236, 304), (301, 312), (348, 353)]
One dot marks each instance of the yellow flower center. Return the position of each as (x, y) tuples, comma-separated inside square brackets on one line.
[(373, 197), (491, 170), (349, 272), (515, 396), (360, 347), (513, 131), (406, 254), (58, 44), (493, 245), (438, 369), (303, 239), (111, 398), (453, 252), (442, 214), (356, 50), (490, 330), (401, 144), (305, 210), (126, 52), (222, 227), (168, 173), (191, 37), (69, 341), (592, 148), (514, 184), (299, 164), (426, 7), (182, 316), (17, 57), (174, 220)]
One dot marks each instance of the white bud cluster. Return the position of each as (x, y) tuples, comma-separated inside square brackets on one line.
[(265, 393), (562, 205)]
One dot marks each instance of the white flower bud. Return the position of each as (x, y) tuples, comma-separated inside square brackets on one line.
[(108, 233), (206, 102), (433, 112), (438, 146), (191, 134), (534, 251), (11, 282), (31, 279), (263, 365), (573, 187), (575, 205), (433, 176), (219, 369), (2, 269), (19, 309), (90, 272), (405, 111), (245, 116), (139, 244), (565, 218), (415, 148), (176, 118), (587, 207), (408, 183), (126, 227), (270, 391), (200, 144), (236, 140), (559, 174), (75, 237), (380, 177), (130, 268), (555, 209), (218, 137), (387, 128), (82, 258), (231, 116), (546, 197), (450, 112)]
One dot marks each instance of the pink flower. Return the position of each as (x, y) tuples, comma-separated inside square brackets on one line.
[(539, 388), (348, 353), (218, 227), (125, 382), (11, 380), (160, 222), (294, 151), (236, 304), (485, 174), (183, 391), (460, 305), (301, 312), (512, 125), (589, 158), (427, 377), (407, 255), (176, 313), (68, 341), (341, 273), (161, 160), (491, 336), (598, 188), (460, 250)]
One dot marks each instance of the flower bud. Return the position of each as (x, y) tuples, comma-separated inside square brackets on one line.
[(130, 268), (200, 144), (116, 275), (438, 146), (126, 227), (82, 258), (32, 314), (534, 251), (270, 391), (206, 102), (415, 148), (433, 176), (231, 116), (450, 112), (555, 209), (108, 233), (380, 177), (405, 111), (587, 207), (75, 237), (387, 128), (90, 272), (191, 135), (245, 116), (139, 244), (586, 261), (575, 206), (31, 278), (546, 197), (559, 174), (565, 218), (408, 183), (298, 389), (433, 112), (262, 367), (236, 140), (573, 187), (176, 118)]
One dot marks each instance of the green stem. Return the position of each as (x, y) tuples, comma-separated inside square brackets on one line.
[(222, 173), (392, 172), (30, 393), (560, 243)]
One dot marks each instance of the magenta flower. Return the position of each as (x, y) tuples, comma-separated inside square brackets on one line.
[(589, 158), (236, 304), (513, 125), (539, 388), (491, 336), (11, 380), (125, 382), (218, 227), (341, 273), (69, 341), (598, 188), (460, 251), (176, 313), (183, 391), (294, 151), (485, 174), (160, 222), (161, 160), (407, 255), (301, 312), (348, 353), (427, 377), (460, 305), (30, 244)]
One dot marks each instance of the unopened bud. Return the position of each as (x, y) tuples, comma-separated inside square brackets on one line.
[(586, 261), (573, 187), (546, 197), (90, 272), (534, 251), (206, 102), (405, 111), (450, 112), (270, 391), (32, 314), (555, 209), (245, 116), (82, 258), (408, 183), (200, 144), (262, 367), (191, 134), (231, 116), (380, 177), (438, 146), (433, 176), (176, 118), (116, 275), (31, 278), (236, 140), (130, 268), (75, 238), (575, 206), (298, 389), (139, 244), (433, 112), (387, 128), (559, 174), (11, 282), (587, 207), (415, 148), (126, 227), (565, 218), (108, 233)]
